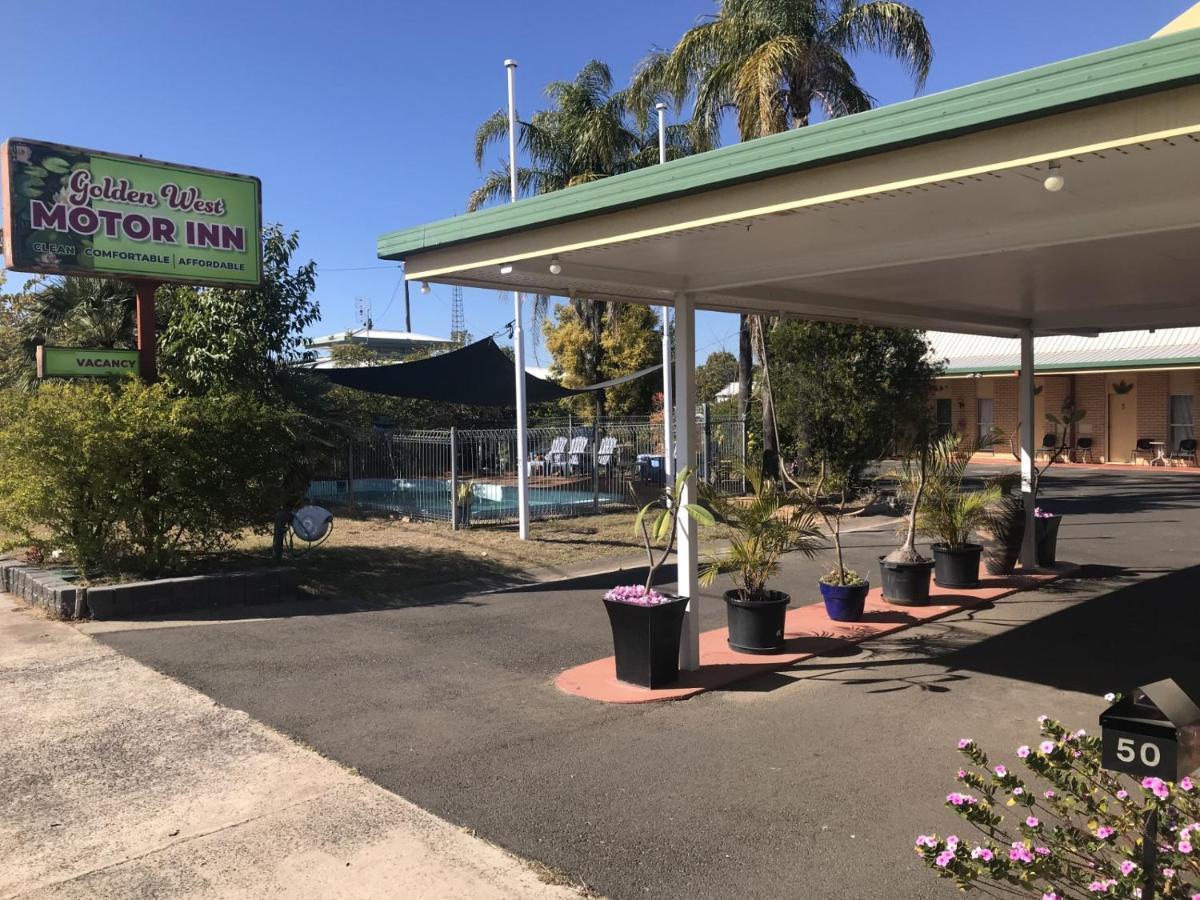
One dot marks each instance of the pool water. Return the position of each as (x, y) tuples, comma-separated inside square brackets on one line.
[(430, 498)]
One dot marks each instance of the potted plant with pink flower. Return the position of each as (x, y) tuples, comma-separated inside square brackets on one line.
[(646, 624)]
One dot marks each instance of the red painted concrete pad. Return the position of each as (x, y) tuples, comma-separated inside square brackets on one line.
[(809, 632)]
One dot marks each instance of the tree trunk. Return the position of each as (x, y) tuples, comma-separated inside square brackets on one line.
[(596, 312)]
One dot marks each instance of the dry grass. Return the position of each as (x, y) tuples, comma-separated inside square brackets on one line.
[(370, 556)]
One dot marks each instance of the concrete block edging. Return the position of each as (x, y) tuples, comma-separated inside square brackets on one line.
[(62, 599)]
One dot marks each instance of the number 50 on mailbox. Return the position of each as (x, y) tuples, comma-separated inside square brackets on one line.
[(1153, 731)]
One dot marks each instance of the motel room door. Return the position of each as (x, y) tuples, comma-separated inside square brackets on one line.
[(1122, 421)]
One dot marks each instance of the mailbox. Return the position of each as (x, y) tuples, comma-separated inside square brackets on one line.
[(1153, 731)]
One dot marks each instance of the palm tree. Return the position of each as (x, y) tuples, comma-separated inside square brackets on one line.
[(588, 133), (87, 312), (771, 62)]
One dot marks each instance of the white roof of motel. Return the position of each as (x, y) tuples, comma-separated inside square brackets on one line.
[(383, 339), (968, 353)]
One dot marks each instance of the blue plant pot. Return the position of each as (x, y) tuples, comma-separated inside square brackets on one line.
[(844, 602)]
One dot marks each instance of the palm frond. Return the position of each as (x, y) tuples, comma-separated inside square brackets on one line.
[(893, 29)]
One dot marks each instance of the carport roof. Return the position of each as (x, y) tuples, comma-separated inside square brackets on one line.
[(929, 213), (1151, 65)]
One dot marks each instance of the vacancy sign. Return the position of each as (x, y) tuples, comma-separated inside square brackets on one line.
[(83, 212)]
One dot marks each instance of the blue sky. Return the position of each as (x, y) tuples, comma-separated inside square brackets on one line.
[(359, 116)]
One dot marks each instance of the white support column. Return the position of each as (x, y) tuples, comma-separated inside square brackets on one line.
[(668, 432), (668, 398), (685, 454), (1025, 411), (522, 460)]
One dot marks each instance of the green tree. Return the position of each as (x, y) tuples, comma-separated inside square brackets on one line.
[(221, 339), (715, 374), (771, 62), (845, 393), (589, 132), (630, 343)]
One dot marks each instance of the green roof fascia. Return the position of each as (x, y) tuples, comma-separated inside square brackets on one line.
[(1114, 365), (1142, 67)]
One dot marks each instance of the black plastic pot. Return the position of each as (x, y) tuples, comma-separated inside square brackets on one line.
[(1046, 534), (905, 584), (646, 641), (958, 567), (756, 626)]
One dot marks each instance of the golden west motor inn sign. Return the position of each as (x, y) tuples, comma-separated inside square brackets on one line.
[(74, 211)]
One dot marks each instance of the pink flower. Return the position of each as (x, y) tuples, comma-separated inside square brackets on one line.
[(926, 840), (957, 799), (1185, 846), (952, 842), (1185, 783), (982, 853), (962, 773), (1018, 791), (1158, 786), (1122, 795), (1049, 795), (1042, 851), (1127, 867), (1042, 720), (944, 858), (1104, 832), (1001, 771), (1047, 746), (964, 743), (635, 595), (1051, 895), (1032, 822), (1020, 853), (1023, 751)]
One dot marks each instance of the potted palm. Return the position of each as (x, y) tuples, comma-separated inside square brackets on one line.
[(904, 573), (952, 514), (646, 624), (774, 521), (1005, 527)]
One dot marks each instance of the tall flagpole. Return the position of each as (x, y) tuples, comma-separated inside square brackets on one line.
[(668, 404), (518, 331)]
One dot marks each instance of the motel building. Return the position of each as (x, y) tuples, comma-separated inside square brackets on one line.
[(1136, 386)]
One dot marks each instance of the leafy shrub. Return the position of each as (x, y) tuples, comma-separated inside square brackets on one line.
[(127, 478), (1075, 829)]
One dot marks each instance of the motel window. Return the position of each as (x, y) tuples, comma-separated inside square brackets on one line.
[(985, 413), (943, 415), (1183, 422)]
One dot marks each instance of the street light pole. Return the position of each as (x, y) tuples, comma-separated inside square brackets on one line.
[(668, 431), (518, 331)]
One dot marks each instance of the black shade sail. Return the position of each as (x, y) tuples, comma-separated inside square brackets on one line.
[(479, 374)]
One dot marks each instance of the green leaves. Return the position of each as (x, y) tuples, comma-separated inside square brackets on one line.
[(772, 522), (127, 478)]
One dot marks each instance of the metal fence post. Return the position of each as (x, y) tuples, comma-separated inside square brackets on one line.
[(595, 460), (707, 442), (350, 472), (453, 479)]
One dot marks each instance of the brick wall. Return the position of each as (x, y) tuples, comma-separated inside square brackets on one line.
[(1153, 405), (1091, 396), (1004, 404)]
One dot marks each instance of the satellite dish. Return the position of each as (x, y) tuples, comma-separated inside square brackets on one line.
[(312, 523)]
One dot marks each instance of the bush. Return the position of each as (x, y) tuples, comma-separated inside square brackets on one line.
[(127, 478), (1075, 829)]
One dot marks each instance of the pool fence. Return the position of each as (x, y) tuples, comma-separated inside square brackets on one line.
[(469, 476)]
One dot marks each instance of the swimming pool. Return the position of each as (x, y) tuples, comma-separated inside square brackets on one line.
[(429, 498)]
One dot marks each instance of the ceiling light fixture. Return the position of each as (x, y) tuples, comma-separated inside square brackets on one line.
[(1054, 181), (424, 287), (555, 266), (506, 269)]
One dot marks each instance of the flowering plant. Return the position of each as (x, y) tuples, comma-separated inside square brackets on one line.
[(636, 595), (1075, 831), (1039, 513)]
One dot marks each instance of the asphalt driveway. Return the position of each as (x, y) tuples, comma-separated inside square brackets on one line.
[(808, 783)]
